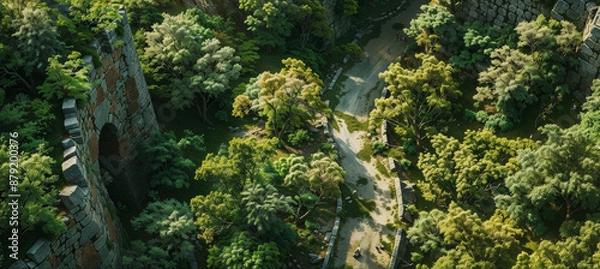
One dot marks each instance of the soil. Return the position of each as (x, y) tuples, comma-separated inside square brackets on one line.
[(358, 94)]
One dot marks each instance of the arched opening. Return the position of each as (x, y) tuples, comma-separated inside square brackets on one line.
[(113, 167)]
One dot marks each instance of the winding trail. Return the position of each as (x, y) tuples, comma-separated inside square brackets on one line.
[(358, 94)]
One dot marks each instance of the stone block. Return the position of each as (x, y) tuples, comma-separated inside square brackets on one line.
[(572, 14), (561, 6), (586, 69), (44, 265), (73, 169), (67, 143), (595, 31), (39, 251), (71, 196), (69, 106), (70, 152), (586, 51), (71, 121), (100, 242), (512, 8), (473, 14), (88, 232), (79, 216), (108, 260), (519, 12), (71, 232), (86, 220), (101, 113), (512, 17)]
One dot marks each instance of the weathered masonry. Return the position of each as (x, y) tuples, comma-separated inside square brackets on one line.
[(102, 136)]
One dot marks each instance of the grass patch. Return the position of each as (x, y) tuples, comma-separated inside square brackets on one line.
[(381, 168), (366, 152), (395, 153), (354, 125), (334, 124), (359, 208)]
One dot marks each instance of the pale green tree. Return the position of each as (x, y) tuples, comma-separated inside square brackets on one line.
[(37, 39), (419, 99), (288, 99), (468, 171), (195, 67)]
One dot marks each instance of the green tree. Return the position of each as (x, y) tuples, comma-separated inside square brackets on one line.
[(535, 71), (261, 203), (270, 21), (348, 7), (436, 20), (243, 251), (561, 173), (479, 244), (144, 255), (419, 99), (68, 79), (590, 116), (468, 171), (288, 99), (167, 162), (425, 235), (578, 250), (312, 182), (312, 21), (37, 39), (172, 224), (194, 65), (37, 203), (215, 213), (241, 164)]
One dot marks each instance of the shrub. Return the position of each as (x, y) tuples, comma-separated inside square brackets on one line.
[(481, 116), (299, 137), (409, 146), (378, 147), (469, 115), (352, 49), (499, 121), (405, 164), (311, 225)]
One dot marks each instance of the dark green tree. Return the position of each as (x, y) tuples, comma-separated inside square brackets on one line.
[(68, 79), (166, 160)]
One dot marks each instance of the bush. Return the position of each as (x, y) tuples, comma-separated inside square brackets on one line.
[(405, 164), (378, 147), (481, 116), (499, 121), (222, 116), (299, 137), (311, 225), (352, 49), (469, 115), (409, 146)]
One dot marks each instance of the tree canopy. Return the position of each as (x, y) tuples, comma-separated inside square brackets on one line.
[(420, 99), (288, 99)]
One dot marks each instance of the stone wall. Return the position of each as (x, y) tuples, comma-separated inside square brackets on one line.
[(501, 13), (119, 99), (340, 23), (589, 52)]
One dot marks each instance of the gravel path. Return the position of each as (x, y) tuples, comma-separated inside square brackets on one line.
[(357, 100)]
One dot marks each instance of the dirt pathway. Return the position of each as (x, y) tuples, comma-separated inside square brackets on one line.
[(359, 91)]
